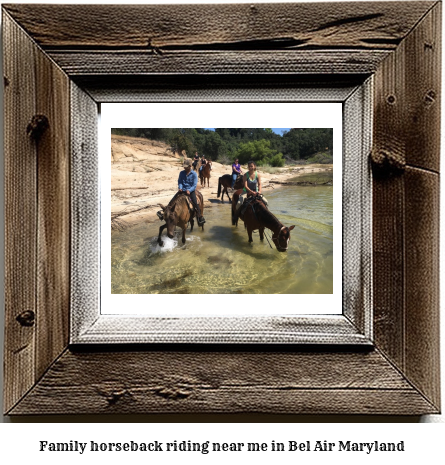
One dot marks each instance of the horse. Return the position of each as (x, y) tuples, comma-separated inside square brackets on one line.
[(205, 174), (257, 216), (177, 213), (226, 182)]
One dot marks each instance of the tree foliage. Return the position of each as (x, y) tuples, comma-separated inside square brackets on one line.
[(259, 144)]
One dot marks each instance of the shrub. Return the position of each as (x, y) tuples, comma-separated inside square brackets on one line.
[(321, 158), (277, 160)]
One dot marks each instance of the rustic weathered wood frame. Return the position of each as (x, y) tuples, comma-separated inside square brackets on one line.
[(76, 56)]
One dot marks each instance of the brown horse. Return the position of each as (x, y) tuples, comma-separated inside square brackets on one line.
[(178, 213), (226, 182), (257, 216), (205, 174)]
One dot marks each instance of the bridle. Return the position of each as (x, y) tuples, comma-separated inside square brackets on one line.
[(274, 239), (277, 243)]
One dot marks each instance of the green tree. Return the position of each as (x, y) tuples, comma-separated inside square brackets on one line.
[(257, 151)]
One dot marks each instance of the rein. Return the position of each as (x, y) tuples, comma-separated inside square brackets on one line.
[(276, 239)]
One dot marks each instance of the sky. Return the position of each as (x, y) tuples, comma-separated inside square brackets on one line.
[(275, 130)]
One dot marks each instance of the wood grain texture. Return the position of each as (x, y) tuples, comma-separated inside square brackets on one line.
[(388, 268), (218, 87), (423, 91), (218, 382), (53, 254), (357, 209), (388, 201), (78, 63), (422, 281), (20, 212), (398, 42), (85, 212), (341, 25), (406, 277)]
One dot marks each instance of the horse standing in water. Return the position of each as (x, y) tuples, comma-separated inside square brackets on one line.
[(257, 216), (205, 174), (178, 213), (226, 182)]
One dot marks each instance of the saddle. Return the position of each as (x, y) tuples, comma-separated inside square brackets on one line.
[(249, 200)]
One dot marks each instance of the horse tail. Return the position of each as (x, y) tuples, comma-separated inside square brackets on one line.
[(219, 188)]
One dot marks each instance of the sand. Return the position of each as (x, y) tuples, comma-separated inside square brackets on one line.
[(144, 175)]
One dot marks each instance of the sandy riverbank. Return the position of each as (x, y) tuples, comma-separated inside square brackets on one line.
[(144, 174)]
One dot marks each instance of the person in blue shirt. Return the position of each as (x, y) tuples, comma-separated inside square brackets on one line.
[(187, 182), (236, 171)]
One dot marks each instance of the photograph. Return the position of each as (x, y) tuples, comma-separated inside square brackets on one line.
[(222, 210)]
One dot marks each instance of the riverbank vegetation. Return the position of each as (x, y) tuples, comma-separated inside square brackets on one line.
[(268, 149)]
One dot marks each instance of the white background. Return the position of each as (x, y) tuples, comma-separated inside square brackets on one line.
[(19, 442), (220, 115)]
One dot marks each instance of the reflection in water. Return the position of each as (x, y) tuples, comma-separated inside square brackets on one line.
[(220, 260)]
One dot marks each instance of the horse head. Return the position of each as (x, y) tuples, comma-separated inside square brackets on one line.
[(170, 218), (282, 239)]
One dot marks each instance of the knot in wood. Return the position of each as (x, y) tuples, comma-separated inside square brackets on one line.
[(173, 393), (430, 97), (385, 162), (37, 126), (26, 318), (114, 397)]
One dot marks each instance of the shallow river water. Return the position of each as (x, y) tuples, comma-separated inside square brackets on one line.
[(220, 260)]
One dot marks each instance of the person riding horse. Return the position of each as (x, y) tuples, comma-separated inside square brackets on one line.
[(252, 180), (252, 187), (236, 171), (203, 162), (195, 160), (187, 182)]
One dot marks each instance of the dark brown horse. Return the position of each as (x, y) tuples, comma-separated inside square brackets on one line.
[(205, 174), (177, 213), (226, 182), (257, 216)]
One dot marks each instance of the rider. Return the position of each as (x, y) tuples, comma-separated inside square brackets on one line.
[(203, 162), (195, 160), (236, 171), (187, 182), (252, 180), (252, 185)]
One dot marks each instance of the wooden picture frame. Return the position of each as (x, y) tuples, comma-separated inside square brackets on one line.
[(75, 57)]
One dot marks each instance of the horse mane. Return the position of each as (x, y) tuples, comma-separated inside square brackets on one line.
[(179, 199), (266, 215)]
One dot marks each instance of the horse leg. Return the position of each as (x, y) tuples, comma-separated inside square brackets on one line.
[(234, 217), (192, 223), (183, 236), (249, 232), (261, 234), (161, 243)]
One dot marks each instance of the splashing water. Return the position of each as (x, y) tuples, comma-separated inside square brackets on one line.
[(169, 245)]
